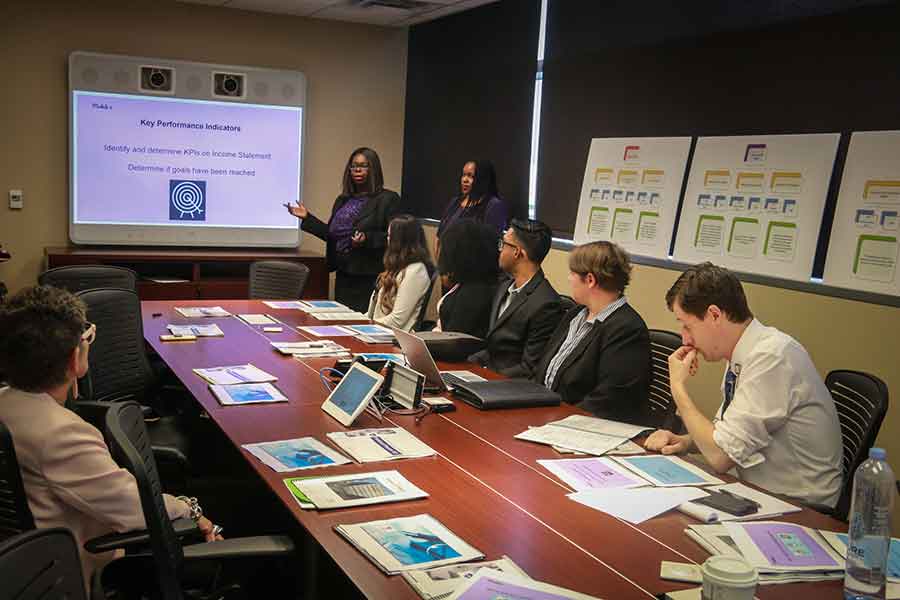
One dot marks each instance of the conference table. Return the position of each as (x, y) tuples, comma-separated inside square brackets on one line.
[(483, 484)]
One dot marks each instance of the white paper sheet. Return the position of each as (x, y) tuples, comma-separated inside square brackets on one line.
[(440, 583), (202, 311), (591, 443), (639, 504), (490, 585), (196, 330), (601, 426), (257, 319), (769, 506)]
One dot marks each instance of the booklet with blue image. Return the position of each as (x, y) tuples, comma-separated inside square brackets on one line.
[(247, 393), (295, 455)]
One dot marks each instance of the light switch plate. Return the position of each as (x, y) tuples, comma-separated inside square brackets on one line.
[(16, 199)]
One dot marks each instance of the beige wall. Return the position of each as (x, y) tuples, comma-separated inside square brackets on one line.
[(356, 86), (838, 334)]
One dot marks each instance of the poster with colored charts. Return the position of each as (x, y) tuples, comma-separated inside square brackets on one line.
[(863, 248), (755, 203), (630, 192)]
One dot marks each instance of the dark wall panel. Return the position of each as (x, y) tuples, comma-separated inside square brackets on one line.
[(469, 95), (736, 68)]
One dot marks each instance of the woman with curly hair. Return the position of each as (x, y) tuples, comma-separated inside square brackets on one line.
[(401, 287)]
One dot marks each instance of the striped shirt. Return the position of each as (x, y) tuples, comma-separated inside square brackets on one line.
[(578, 328)]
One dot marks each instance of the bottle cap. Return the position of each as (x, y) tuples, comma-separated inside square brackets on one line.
[(877, 453)]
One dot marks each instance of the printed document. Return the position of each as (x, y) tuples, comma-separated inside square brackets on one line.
[(358, 489), (441, 582), (202, 311), (408, 543), (247, 393), (668, 471), (489, 585), (294, 455), (196, 330), (592, 473), (235, 374), (382, 443)]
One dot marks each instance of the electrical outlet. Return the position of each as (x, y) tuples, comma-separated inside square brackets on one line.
[(16, 199)]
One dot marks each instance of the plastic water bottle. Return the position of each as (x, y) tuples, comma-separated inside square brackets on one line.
[(870, 528)]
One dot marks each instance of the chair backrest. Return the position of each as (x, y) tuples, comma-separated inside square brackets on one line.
[(77, 278), (118, 359), (15, 515), (129, 444), (277, 280), (423, 310), (861, 400), (39, 564), (566, 302), (662, 405)]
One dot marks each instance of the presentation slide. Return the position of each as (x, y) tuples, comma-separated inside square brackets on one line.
[(862, 250), (630, 192), (755, 203), (141, 160)]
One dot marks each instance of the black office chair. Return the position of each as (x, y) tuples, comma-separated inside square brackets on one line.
[(120, 370), (662, 405), (77, 278), (130, 446), (420, 319), (862, 401), (15, 515), (277, 280), (42, 563)]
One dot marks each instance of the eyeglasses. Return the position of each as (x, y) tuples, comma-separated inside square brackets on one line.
[(90, 333), (501, 242), (358, 167)]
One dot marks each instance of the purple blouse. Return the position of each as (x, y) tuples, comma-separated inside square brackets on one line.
[(494, 214), (340, 229)]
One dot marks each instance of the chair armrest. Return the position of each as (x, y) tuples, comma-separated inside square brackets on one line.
[(256, 546), (137, 538)]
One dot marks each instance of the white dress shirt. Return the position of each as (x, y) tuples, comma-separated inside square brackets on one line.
[(511, 292), (781, 427), (412, 283)]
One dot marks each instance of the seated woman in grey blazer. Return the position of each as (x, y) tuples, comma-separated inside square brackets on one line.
[(70, 478), (599, 356)]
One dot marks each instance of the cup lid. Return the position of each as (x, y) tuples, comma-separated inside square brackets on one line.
[(730, 569)]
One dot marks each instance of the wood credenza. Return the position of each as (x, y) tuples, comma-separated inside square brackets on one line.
[(191, 272)]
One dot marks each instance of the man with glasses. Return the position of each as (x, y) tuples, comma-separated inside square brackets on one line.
[(777, 423), (526, 308), (70, 478)]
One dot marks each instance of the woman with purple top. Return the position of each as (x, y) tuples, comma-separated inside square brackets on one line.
[(478, 198), (356, 232)]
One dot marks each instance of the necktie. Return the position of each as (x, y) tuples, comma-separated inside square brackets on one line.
[(730, 385)]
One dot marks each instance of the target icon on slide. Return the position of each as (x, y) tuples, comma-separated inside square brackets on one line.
[(187, 200)]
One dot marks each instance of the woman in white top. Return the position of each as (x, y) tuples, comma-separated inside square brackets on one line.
[(401, 287)]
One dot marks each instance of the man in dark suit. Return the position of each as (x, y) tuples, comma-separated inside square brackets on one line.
[(599, 356), (526, 308)]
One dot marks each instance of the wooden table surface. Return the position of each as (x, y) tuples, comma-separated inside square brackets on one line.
[(483, 485)]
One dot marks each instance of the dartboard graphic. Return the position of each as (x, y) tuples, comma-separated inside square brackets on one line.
[(187, 200)]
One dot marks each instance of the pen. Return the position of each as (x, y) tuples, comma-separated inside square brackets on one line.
[(236, 375)]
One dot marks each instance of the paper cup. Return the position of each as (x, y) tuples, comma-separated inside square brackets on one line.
[(728, 578)]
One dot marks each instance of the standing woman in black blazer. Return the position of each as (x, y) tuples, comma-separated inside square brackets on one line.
[(356, 231), (599, 356)]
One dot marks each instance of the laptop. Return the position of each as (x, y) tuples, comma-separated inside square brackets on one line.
[(419, 358)]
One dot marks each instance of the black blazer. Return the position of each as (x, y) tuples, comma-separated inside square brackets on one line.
[(516, 340), (468, 309), (608, 372), (373, 220)]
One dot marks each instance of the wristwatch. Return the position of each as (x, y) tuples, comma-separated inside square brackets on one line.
[(195, 511)]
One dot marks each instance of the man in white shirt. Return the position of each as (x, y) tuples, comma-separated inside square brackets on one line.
[(777, 424)]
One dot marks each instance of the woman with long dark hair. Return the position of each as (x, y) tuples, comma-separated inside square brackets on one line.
[(401, 287), (478, 198), (356, 231), (468, 261)]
